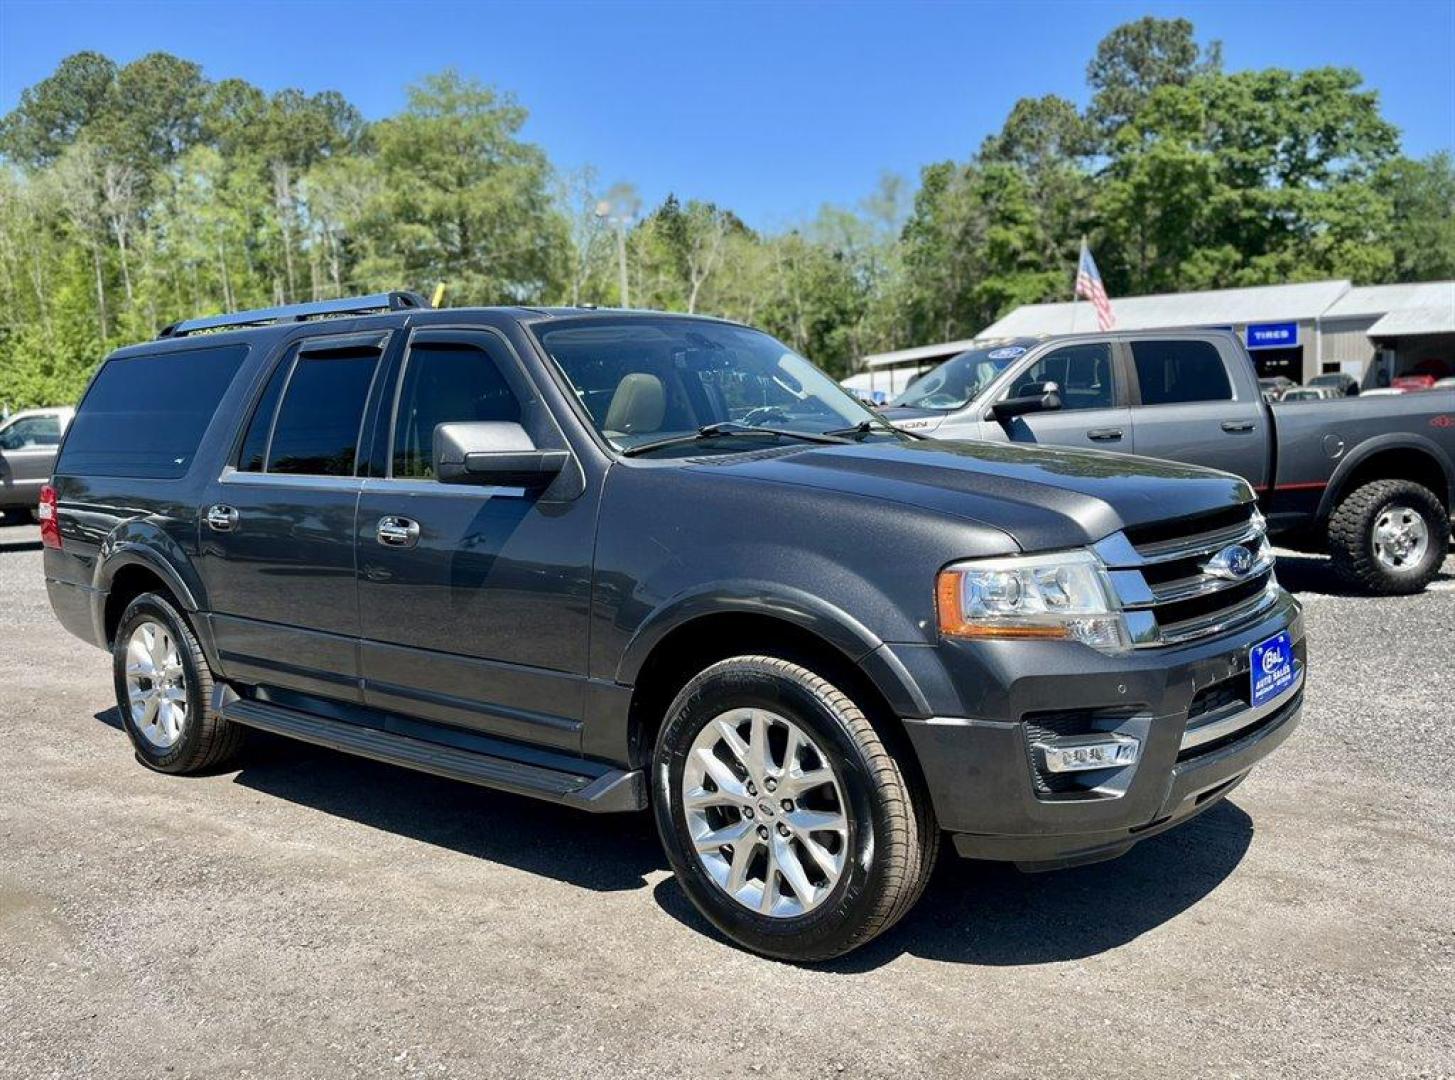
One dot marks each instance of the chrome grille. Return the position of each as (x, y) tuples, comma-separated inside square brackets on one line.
[(1169, 583)]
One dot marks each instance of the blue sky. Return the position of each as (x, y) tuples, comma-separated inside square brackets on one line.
[(771, 109)]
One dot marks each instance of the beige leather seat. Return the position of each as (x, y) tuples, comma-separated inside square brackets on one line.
[(638, 405)]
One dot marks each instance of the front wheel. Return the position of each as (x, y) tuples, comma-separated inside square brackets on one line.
[(1389, 537), (788, 823)]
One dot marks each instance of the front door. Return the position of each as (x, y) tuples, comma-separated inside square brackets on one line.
[(277, 527), (473, 600), (1093, 411)]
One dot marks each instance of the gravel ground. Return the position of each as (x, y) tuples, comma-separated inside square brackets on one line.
[(313, 915)]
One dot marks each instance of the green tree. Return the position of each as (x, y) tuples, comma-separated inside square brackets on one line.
[(1421, 195), (464, 200), (52, 113), (1136, 59)]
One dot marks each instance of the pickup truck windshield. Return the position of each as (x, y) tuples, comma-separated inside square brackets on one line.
[(646, 380), (957, 381)]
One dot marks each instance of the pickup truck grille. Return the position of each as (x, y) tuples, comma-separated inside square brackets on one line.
[(1170, 585)]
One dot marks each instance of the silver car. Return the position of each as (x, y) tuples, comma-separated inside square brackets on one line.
[(28, 444)]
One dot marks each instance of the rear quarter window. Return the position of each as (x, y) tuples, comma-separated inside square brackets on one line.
[(144, 415)]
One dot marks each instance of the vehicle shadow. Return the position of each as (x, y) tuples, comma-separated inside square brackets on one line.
[(993, 914), (972, 913), (602, 852), (1315, 574), (19, 545)]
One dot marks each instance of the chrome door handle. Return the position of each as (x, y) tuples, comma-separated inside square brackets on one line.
[(221, 518), (399, 532), (1105, 434), (1234, 426)]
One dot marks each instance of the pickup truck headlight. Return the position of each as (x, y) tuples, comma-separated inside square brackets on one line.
[(1067, 596)]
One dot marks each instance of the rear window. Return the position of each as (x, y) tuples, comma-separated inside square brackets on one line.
[(144, 415), (1179, 372)]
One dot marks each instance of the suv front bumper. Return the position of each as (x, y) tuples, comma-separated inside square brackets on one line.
[(1197, 740)]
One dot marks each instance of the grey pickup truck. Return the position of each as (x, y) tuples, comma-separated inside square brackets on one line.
[(621, 559), (1368, 479)]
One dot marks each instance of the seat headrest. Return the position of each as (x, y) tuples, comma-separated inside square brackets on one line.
[(638, 405)]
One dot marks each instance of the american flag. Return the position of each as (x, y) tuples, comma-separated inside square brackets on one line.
[(1088, 284)]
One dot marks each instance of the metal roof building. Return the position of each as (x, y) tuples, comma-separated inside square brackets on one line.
[(1373, 332)]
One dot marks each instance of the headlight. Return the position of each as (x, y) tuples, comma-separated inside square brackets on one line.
[(1065, 595)]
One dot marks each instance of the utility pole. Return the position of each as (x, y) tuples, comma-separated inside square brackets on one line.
[(619, 208)]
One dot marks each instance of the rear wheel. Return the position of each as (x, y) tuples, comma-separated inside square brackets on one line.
[(1389, 537), (788, 823), (164, 691)]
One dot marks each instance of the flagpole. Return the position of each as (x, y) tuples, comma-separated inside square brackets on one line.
[(1075, 292)]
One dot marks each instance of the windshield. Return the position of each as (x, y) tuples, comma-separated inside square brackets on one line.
[(960, 379), (645, 380)]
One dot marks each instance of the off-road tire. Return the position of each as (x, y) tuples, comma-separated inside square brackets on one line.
[(893, 837), (1351, 540), (207, 740)]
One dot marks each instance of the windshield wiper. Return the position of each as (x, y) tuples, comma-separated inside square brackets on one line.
[(870, 427), (731, 427)]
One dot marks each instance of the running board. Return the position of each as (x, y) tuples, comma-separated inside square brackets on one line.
[(597, 788)]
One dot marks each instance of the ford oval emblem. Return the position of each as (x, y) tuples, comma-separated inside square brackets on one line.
[(1233, 563)]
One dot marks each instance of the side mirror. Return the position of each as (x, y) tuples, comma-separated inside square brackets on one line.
[(493, 452), (1048, 399)]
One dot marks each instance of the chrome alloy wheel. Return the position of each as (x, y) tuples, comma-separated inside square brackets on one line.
[(766, 812), (1401, 538), (156, 685)]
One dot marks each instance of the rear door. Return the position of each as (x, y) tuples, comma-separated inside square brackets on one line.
[(477, 617), (277, 526), (1094, 410), (1189, 410), (27, 456)]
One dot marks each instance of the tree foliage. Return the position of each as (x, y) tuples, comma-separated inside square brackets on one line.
[(133, 195)]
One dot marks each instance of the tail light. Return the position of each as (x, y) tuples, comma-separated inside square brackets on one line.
[(50, 522)]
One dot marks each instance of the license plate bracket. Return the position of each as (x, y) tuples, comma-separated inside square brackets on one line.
[(1270, 668)]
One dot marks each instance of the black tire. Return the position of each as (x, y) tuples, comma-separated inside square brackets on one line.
[(892, 835), (206, 740), (1351, 537)]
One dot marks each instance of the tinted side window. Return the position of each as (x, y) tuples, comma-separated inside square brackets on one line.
[(1083, 372), (317, 430), (1178, 372), (445, 383), (145, 415), (254, 452)]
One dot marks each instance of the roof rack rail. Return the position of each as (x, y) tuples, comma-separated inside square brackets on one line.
[(349, 305)]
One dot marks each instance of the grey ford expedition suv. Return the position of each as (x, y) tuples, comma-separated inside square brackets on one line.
[(619, 560)]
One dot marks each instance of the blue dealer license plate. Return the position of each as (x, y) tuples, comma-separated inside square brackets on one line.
[(1270, 666)]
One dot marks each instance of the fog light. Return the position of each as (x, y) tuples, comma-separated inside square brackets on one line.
[(1078, 753)]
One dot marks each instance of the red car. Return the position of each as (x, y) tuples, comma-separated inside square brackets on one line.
[(1413, 382)]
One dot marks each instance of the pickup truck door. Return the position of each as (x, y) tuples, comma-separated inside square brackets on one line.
[(473, 599), (1094, 411), (27, 457), (1188, 406)]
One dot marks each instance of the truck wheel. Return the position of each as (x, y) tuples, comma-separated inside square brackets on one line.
[(788, 823), (1389, 537), (164, 691)]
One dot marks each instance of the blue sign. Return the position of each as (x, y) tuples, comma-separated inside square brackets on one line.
[(1270, 666), (1272, 335)]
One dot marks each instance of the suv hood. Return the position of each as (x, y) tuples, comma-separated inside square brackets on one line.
[(1044, 498)]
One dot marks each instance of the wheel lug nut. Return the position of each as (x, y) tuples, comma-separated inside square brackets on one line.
[(788, 804), (771, 784), (748, 812), (763, 831), (752, 790), (782, 829)]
